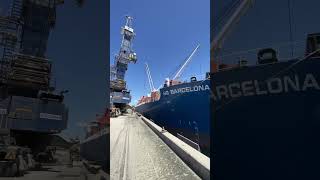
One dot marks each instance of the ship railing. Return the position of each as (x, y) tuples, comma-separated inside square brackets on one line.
[(199, 77), (235, 57), (275, 74)]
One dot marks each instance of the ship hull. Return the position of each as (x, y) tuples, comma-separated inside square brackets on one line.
[(96, 148), (183, 109), (267, 128)]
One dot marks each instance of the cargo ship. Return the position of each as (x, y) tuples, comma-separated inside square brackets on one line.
[(266, 116), (269, 113), (182, 108), (95, 147), (272, 90)]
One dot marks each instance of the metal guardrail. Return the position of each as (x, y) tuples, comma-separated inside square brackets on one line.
[(189, 142)]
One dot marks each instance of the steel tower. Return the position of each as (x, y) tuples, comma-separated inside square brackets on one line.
[(119, 95), (31, 109)]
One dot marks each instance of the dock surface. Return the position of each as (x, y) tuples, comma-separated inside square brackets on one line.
[(53, 172), (62, 170), (138, 153)]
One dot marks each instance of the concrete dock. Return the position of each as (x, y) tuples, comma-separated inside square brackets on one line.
[(61, 170), (138, 153), (77, 172)]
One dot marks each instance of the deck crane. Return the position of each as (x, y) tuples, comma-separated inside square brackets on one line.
[(184, 65), (217, 41), (152, 89)]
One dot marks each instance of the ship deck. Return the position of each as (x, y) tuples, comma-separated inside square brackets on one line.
[(138, 153)]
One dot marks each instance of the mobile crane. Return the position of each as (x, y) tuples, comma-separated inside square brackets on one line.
[(119, 95), (31, 110)]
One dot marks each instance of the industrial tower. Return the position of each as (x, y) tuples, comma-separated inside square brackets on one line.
[(24, 68), (30, 107), (119, 95)]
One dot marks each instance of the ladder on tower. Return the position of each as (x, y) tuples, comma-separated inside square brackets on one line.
[(9, 37), (16, 8)]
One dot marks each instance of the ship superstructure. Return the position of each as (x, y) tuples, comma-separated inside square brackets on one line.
[(119, 94)]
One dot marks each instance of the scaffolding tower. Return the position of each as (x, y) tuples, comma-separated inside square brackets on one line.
[(23, 40)]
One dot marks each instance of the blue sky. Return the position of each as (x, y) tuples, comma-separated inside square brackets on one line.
[(4, 6), (266, 24), (167, 32), (78, 46)]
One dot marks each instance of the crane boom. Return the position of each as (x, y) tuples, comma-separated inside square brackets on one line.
[(233, 20), (179, 72), (150, 78)]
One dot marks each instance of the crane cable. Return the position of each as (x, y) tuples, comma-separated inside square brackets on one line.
[(290, 26), (227, 10)]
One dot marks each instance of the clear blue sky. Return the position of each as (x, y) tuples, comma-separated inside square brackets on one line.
[(78, 46), (167, 31), (266, 24), (4, 6)]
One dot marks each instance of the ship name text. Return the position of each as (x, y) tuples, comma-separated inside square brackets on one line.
[(203, 87), (274, 85)]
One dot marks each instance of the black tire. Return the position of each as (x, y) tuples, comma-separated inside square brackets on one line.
[(20, 173), (6, 171), (10, 170), (14, 169)]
